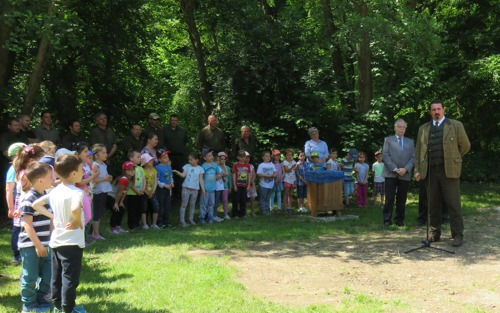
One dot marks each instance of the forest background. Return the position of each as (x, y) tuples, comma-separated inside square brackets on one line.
[(349, 67)]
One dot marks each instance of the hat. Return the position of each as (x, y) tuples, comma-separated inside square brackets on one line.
[(314, 154), (145, 158), (206, 151), (378, 153), (127, 165), (92, 152), (276, 152), (63, 151), (222, 153), (247, 153), (162, 152), (154, 116), (14, 148)]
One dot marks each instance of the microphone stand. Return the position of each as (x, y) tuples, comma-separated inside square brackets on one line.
[(426, 243)]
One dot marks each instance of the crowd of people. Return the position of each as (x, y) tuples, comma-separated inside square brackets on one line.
[(57, 190)]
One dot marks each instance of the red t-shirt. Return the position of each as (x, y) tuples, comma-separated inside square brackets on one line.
[(242, 172)]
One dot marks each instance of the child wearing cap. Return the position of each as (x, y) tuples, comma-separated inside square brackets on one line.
[(119, 208), (316, 164), (278, 181), (164, 189), (241, 178), (150, 200), (378, 179), (223, 187), (102, 185)]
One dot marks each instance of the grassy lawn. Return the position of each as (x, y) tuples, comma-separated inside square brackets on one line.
[(150, 271)]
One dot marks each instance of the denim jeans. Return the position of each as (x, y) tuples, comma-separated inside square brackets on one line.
[(264, 199), (13, 241), (207, 206), (35, 277)]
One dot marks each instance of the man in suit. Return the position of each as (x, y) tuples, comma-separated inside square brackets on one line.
[(398, 156), (441, 144)]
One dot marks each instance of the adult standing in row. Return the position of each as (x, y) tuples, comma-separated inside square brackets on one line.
[(135, 141), (12, 135), (398, 155), (73, 136), (211, 136), (103, 135), (25, 121), (316, 145), (441, 144), (176, 140), (45, 131), (154, 126), (246, 142)]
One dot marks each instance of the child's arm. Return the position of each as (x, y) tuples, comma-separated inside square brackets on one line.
[(183, 174), (288, 169), (155, 185), (119, 198), (90, 179), (39, 206), (202, 184), (234, 182), (9, 196), (252, 177), (76, 216), (40, 249)]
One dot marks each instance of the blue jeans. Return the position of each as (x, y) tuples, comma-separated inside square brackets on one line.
[(35, 277), (264, 199), (13, 241), (207, 206)]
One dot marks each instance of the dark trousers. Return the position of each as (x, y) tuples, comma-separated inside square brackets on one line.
[(447, 189), (423, 204), (395, 189), (134, 204), (163, 195), (239, 202), (66, 268), (178, 161), (116, 217)]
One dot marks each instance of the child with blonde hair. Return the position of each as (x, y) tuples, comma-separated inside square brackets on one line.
[(102, 185)]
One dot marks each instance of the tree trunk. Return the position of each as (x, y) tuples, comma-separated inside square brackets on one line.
[(364, 63), (6, 56), (346, 97), (41, 60), (187, 7)]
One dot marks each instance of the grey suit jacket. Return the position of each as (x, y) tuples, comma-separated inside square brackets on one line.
[(394, 158)]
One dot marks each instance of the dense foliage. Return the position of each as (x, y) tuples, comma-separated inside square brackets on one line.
[(349, 67)]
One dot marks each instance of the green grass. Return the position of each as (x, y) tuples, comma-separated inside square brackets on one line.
[(151, 271)]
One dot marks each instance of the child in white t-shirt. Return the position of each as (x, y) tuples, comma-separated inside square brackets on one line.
[(266, 171)]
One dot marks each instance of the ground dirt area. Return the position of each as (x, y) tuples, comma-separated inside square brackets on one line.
[(334, 267)]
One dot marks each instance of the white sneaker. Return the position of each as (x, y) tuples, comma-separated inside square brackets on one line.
[(218, 219), (145, 226), (154, 226), (226, 217), (183, 224)]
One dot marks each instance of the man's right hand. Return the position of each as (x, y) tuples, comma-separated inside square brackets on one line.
[(417, 176)]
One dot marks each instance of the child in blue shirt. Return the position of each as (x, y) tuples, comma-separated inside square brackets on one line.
[(210, 176), (164, 189)]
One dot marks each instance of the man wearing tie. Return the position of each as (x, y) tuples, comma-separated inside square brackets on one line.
[(398, 156), (441, 144)]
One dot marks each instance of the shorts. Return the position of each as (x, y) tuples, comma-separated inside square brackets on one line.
[(302, 191), (379, 188), (348, 188), (288, 185), (251, 192)]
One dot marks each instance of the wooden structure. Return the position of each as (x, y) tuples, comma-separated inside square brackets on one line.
[(325, 197)]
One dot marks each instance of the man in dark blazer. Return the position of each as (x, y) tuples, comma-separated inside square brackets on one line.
[(398, 156), (441, 144)]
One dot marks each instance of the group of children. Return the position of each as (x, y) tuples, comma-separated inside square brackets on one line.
[(80, 189)]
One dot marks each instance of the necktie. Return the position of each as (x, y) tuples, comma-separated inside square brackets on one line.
[(400, 142)]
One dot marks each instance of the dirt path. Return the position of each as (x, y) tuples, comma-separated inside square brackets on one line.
[(335, 267)]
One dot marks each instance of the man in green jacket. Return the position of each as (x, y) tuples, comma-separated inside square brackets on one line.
[(441, 144)]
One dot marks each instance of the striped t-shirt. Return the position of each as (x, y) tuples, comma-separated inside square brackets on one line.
[(41, 223)]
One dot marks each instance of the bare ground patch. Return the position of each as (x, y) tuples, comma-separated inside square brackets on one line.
[(334, 267)]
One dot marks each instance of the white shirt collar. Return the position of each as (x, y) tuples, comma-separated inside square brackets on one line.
[(439, 122)]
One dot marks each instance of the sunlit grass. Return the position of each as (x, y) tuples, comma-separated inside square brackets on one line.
[(152, 271)]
